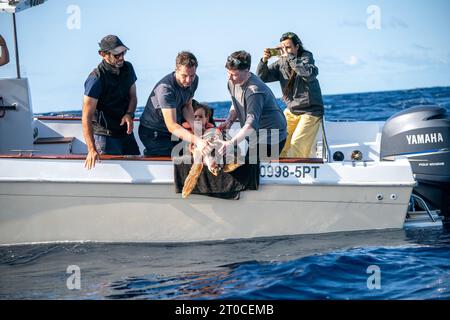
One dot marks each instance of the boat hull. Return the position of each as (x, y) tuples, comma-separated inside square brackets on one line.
[(60, 211)]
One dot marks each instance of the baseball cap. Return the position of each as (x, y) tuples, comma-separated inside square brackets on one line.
[(112, 44)]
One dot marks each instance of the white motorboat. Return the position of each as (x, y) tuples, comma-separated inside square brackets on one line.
[(360, 179)]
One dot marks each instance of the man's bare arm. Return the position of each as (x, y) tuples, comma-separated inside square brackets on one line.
[(89, 106), (177, 130), (188, 113)]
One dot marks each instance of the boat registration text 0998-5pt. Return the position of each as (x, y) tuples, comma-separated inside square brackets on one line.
[(285, 171)]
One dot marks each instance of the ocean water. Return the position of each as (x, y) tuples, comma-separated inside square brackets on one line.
[(411, 264), (388, 264), (377, 106)]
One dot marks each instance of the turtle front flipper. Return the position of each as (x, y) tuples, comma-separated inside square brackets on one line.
[(191, 179), (231, 167), (233, 160)]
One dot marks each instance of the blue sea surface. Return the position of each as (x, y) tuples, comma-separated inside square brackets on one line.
[(387, 264), (410, 264), (377, 106)]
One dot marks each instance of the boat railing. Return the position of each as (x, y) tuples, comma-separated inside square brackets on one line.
[(36, 154), (325, 146), (417, 218), (415, 198)]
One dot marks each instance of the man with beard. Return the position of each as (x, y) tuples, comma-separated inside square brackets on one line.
[(109, 104), (168, 106)]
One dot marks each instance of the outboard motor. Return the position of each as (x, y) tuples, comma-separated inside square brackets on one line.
[(422, 134)]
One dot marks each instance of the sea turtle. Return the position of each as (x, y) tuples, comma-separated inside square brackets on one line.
[(214, 163)]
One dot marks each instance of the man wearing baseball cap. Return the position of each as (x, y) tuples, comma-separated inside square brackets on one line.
[(109, 104)]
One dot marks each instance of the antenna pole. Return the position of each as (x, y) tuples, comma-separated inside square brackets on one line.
[(16, 46)]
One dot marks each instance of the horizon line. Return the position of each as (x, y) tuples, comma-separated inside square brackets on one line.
[(324, 95)]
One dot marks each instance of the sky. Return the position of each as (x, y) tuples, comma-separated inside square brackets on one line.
[(358, 45)]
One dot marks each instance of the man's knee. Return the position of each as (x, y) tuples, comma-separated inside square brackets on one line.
[(100, 143)]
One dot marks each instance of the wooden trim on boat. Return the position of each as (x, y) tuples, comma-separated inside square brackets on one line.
[(75, 118), (29, 155)]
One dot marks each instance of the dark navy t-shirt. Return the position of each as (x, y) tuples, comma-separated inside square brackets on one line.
[(167, 94), (93, 85), (112, 92)]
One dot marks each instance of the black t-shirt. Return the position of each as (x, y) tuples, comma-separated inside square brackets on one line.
[(167, 94), (112, 92)]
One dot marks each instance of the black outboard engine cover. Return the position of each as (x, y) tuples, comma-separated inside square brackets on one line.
[(422, 134)]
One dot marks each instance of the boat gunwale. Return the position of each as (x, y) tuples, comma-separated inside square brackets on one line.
[(28, 154), (78, 118)]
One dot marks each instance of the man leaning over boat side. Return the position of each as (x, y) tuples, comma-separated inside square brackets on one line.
[(4, 58), (109, 104), (169, 102), (254, 104)]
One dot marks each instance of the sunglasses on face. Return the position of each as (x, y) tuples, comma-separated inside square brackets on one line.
[(117, 56)]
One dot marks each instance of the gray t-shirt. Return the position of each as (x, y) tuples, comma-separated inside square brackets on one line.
[(256, 105), (167, 94)]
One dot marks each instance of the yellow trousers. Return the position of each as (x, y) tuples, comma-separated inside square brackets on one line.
[(301, 134)]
